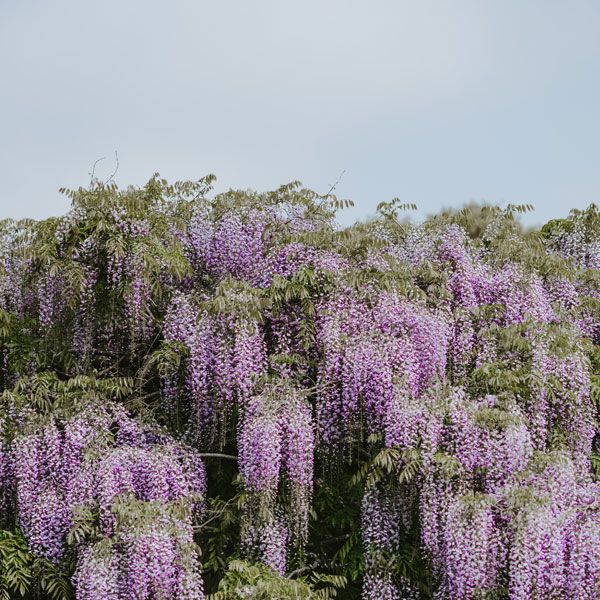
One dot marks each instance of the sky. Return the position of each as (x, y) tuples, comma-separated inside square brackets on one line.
[(437, 103)]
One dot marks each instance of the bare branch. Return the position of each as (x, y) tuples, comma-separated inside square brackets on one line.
[(217, 455), (332, 188), (94, 170), (216, 515), (116, 168)]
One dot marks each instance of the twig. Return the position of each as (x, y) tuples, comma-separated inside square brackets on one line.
[(300, 571), (94, 170), (146, 396), (216, 515), (116, 168), (217, 455), (335, 184)]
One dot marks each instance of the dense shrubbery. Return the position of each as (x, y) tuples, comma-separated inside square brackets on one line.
[(232, 396)]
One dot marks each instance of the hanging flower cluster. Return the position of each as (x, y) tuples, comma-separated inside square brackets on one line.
[(276, 455), (382, 525), (150, 555), (372, 351), (226, 356), (487, 510), (102, 461)]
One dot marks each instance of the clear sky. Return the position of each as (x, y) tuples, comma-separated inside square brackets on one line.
[(435, 102)]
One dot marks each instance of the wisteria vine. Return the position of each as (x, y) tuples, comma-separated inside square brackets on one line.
[(451, 374)]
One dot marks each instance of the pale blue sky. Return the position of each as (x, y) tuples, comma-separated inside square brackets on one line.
[(435, 102)]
